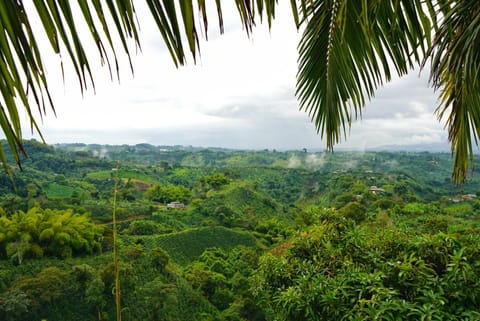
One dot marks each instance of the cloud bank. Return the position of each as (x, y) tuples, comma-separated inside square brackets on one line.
[(239, 95)]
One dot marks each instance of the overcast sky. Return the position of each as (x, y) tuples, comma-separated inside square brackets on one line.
[(240, 94)]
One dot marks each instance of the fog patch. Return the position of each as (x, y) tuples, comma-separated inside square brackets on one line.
[(391, 163), (350, 164), (102, 153), (80, 149), (315, 160), (294, 162)]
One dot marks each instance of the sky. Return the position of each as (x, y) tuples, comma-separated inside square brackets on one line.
[(239, 94)]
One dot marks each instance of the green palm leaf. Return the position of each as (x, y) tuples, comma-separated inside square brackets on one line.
[(455, 67), (21, 67), (346, 53)]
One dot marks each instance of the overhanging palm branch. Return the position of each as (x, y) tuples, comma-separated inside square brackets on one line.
[(348, 48), (23, 83), (455, 71)]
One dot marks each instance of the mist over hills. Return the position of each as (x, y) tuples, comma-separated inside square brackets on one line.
[(423, 147), (418, 148)]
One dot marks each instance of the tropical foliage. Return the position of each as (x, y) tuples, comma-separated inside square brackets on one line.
[(167, 194), (38, 232), (340, 271), (256, 242)]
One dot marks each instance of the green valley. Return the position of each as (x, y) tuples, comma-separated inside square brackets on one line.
[(218, 234)]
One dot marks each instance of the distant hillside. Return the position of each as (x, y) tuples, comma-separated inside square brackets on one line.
[(82, 174), (432, 148)]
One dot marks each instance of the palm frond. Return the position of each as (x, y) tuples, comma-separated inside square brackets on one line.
[(346, 53), (455, 68), (21, 60)]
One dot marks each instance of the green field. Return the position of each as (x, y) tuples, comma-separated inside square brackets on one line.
[(186, 246), (58, 190), (123, 174)]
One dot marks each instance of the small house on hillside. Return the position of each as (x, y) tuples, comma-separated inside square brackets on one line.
[(376, 190), (463, 198), (175, 205), (469, 197)]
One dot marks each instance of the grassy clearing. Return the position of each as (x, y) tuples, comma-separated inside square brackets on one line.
[(58, 190)]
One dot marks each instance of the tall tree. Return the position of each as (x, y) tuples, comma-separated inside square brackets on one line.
[(348, 49)]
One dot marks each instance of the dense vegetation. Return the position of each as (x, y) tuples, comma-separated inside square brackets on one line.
[(260, 235)]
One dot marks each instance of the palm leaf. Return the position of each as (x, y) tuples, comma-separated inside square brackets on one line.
[(345, 54), (21, 66), (455, 69)]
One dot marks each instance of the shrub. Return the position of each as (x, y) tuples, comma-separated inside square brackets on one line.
[(133, 252), (159, 258), (354, 211)]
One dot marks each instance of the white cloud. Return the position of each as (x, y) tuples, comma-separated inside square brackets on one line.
[(240, 94)]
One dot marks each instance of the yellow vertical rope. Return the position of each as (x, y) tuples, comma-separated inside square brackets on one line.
[(115, 250)]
